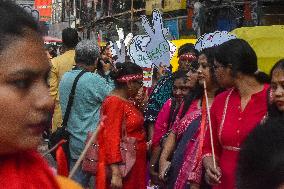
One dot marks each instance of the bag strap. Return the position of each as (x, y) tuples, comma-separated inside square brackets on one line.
[(123, 128), (71, 99)]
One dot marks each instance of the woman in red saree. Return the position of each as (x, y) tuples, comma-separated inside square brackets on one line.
[(118, 111), (187, 135), (25, 103), (234, 113)]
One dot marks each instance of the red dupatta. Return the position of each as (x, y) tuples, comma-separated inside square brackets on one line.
[(26, 170)]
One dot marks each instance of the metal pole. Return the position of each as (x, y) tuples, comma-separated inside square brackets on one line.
[(69, 14), (80, 10), (109, 7), (132, 12), (74, 9)]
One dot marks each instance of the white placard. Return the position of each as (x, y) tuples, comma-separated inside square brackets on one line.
[(213, 39), (118, 48), (152, 48)]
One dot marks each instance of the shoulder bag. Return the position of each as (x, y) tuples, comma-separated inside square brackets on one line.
[(127, 149), (61, 134)]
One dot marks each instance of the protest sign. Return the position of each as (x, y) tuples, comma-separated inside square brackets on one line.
[(118, 48), (152, 48), (147, 77)]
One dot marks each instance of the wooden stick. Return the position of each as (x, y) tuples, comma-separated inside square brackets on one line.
[(51, 150), (210, 126), (89, 143)]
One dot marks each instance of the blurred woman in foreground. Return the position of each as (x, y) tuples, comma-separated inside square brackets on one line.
[(24, 101)]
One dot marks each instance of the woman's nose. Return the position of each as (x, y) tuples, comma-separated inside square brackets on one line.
[(179, 91), (279, 91), (43, 100), (199, 71)]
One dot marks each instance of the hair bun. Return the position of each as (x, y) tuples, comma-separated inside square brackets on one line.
[(125, 68), (119, 71)]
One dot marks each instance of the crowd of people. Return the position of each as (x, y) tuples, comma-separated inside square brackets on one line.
[(216, 122)]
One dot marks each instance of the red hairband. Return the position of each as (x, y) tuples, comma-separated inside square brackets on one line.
[(130, 77), (187, 57)]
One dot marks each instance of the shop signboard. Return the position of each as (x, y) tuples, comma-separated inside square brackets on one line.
[(44, 8), (172, 26), (153, 4), (173, 5), (165, 5)]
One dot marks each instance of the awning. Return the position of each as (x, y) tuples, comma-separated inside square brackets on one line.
[(51, 39), (267, 42)]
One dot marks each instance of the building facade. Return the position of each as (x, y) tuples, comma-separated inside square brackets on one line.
[(184, 18)]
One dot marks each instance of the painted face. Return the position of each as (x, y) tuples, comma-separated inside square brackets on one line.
[(223, 75), (24, 94), (277, 88)]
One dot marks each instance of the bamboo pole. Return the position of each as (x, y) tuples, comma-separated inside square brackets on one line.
[(89, 143), (132, 12), (210, 126)]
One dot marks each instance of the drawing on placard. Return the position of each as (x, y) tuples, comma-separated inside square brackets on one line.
[(152, 48), (213, 39)]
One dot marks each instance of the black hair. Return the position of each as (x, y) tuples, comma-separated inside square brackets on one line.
[(277, 65), (187, 48), (198, 91), (241, 56), (261, 159), (123, 69), (100, 69), (195, 93), (273, 111), (14, 21), (180, 74), (210, 56), (155, 74), (70, 37), (52, 50)]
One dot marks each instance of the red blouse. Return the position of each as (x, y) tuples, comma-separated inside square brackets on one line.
[(236, 126), (117, 112)]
